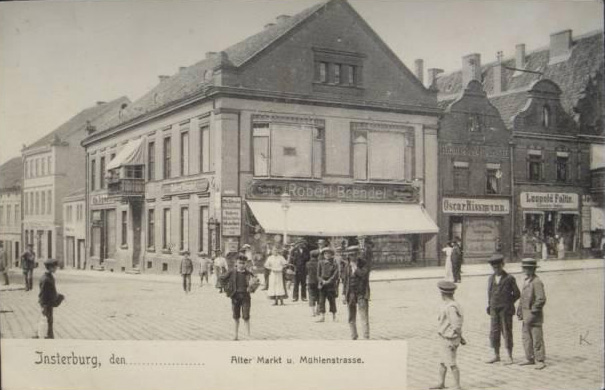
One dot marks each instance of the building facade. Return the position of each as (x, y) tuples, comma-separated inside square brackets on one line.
[(74, 230), (52, 169), (300, 130), (11, 174)]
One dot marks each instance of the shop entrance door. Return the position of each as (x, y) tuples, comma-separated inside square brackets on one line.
[(136, 233)]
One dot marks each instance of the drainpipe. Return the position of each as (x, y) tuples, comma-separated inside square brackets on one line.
[(86, 212), (512, 199)]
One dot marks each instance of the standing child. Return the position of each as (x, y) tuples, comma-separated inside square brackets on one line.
[(356, 294), (48, 297), (276, 263), (450, 332), (327, 278), (237, 287), (204, 268), (311, 269), (220, 268), (186, 271)]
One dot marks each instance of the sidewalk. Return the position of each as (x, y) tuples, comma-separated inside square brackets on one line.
[(380, 275)]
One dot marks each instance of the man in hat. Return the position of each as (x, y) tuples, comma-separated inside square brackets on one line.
[(299, 256), (48, 297), (450, 333), (28, 261), (502, 293), (186, 271), (327, 277), (312, 281), (530, 312), (356, 291)]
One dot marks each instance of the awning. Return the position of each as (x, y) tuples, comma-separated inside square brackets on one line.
[(343, 219), (131, 154), (597, 218)]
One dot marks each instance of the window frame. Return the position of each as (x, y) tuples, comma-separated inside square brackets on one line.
[(93, 174), (535, 157), (124, 229), (166, 228), (151, 160), (167, 158), (184, 158), (461, 167), (151, 229), (183, 228), (205, 149), (566, 163)]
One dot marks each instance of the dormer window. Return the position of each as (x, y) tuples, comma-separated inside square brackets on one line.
[(338, 68), (546, 116)]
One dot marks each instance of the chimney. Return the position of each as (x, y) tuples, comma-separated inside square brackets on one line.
[(100, 103), (282, 18), (419, 69), (269, 25), (432, 77), (471, 68), (210, 54), (560, 46), (520, 56), (498, 74), (163, 77)]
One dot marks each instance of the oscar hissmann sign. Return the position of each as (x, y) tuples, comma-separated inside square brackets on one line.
[(475, 206)]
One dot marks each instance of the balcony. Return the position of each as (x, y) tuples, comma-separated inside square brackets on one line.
[(126, 187), (597, 181)]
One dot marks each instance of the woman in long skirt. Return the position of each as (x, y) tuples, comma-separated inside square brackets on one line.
[(449, 271), (275, 264)]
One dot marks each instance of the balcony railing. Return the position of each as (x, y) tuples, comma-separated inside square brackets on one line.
[(597, 181), (126, 187)]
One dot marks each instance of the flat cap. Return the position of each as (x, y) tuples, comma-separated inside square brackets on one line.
[(352, 248), (326, 250), (446, 286), (496, 258), (51, 262), (529, 263), (246, 246)]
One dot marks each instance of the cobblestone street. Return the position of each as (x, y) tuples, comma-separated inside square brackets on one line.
[(117, 307)]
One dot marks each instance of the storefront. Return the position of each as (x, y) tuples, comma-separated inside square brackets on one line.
[(551, 219), (387, 216), (482, 225)]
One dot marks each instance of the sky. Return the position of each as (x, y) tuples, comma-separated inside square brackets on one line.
[(60, 57)]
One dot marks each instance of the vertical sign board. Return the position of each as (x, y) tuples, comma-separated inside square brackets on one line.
[(231, 216)]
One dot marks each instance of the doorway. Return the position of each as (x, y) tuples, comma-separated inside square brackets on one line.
[(137, 210)]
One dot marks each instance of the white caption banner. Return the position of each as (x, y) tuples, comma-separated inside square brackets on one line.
[(183, 365)]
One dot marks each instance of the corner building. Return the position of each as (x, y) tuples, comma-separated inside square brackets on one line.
[(315, 106)]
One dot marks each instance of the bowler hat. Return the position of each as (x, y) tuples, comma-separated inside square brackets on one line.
[(446, 286), (326, 250), (496, 258), (352, 248), (529, 263), (314, 253), (51, 262)]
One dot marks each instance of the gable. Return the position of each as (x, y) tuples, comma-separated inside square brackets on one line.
[(334, 34)]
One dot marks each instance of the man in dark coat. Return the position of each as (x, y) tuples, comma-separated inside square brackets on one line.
[(530, 311), (502, 293), (299, 256), (356, 291), (28, 262), (48, 297), (457, 260)]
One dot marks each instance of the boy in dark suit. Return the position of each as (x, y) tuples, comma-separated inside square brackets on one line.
[(236, 283), (356, 291)]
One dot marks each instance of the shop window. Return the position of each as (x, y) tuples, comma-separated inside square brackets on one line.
[(184, 229), (184, 153), (124, 228), (151, 161), (205, 149), (562, 167), (93, 175), (534, 166), (380, 155), (166, 229), (151, 228), (287, 150), (461, 177), (203, 229), (102, 174), (167, 158)]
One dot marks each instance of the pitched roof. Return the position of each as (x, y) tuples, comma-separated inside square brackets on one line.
[(11, 174), (97, 115), (572, 75), (192, 80)]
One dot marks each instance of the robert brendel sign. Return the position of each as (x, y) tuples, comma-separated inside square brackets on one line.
[(475, 206), (187, 186), (549, 200)]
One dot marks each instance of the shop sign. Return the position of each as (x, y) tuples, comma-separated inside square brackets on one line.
[(184, 187), (231, 212), (102, 199), (340, 192), (473, 151), (549, 200), (475, 206)]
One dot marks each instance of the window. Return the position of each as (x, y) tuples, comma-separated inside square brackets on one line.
[(461, 177), (493, 179), (1, 215), (381, 155), (49, 166), (102, 173), (43, 168), (323, 72), (562, 164), (184, 153), (350, 74), (203, 229), (17, 215), (166, 229), (167, 158), (534, 165), (545, 116), (37, 205), (124, 228), (151, 161), (31, 204), (43, 203), (133, 172), (37, 167), (68, 213), (474, 123), (205, 148), (49, 198), (337, 69), (9, 214), (151, 228), (287, 150), (184, 229), (50, 244), (93, 175), (25, 203)]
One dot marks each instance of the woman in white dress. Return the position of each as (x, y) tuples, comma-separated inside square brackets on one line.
[(275, 264), (449, 271)]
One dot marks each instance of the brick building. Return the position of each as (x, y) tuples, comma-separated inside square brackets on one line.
[(53, 168), (551, 101), (315, 106), (11, 178)]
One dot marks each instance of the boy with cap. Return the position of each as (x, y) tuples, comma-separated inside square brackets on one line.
[(311, 270), (529, 311), (356, 291), (502, 293), (237, 287), (186, 271), (450, 332), (48, 297), (205, 268), (327, 278), (28, 261)]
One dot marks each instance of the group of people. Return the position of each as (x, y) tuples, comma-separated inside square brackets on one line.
[(453, 260), (217, 266), (503, 293)]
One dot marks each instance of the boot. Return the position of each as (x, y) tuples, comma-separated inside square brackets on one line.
[(322, 318), (353, 328)]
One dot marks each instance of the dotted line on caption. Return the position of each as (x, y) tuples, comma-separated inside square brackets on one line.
[(165, 364)]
